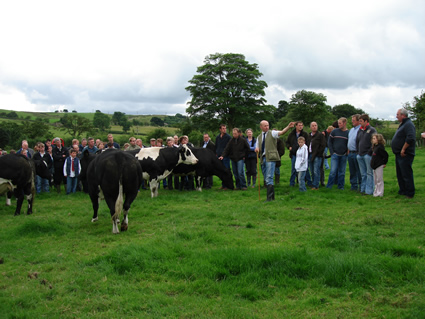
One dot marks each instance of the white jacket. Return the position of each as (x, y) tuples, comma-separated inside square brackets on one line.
[(301, 163)]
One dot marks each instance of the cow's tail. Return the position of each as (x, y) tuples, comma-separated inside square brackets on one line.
[(119, 202)]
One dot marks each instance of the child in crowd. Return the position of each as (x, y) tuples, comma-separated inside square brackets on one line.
[(378, 162), (301, 163), (71, 170)]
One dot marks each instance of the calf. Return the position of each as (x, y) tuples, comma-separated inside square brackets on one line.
[(17, 175), (208, 165), (157, 163), (114, 174)]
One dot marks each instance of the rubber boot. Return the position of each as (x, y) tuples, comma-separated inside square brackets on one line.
[(270, 193), (248, 179), (58, 188), (254, 180), (277, 178)]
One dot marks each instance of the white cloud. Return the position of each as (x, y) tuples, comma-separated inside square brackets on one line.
[(139, 55)]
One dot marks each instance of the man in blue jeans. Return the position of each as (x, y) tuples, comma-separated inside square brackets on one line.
[(337, 143), (364, 155), (266, 147), (353, 164), (315, 151)]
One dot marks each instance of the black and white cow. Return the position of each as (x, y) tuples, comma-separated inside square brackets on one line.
[(158, 162), (114, 174), (17, 175), (208, 165)]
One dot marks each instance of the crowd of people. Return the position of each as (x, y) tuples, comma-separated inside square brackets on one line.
[(361, 146)]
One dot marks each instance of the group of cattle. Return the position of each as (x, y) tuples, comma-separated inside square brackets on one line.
[(116, 175)]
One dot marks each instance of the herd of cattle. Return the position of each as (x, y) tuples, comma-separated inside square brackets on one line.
[(115, 175)]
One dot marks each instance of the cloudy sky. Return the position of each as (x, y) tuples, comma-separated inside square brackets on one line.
[(137, 56)]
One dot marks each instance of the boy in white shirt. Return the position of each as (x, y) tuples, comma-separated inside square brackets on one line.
[(301, 163)]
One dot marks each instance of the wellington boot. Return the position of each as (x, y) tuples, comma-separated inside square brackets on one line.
[(270, 193), (277, 178), (58, 188)]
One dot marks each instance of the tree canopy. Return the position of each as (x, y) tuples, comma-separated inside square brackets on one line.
[(76, 125), (227, 90), (346, 110), (308, 106), (101, 121)]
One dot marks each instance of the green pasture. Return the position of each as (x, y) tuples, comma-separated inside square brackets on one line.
[(220, 254)]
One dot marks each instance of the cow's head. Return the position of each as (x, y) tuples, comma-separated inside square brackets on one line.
[(186, 156)]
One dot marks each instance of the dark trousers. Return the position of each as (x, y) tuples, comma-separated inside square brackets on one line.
[(404, 171)]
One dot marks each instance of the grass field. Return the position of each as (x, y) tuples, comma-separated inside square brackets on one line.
[(220, 254)]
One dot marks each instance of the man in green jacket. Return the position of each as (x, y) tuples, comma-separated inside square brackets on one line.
[(266, 147)]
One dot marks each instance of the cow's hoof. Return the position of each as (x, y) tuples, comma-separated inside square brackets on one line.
[(17, 213), (124, 227), (94, 220), (29, 213)]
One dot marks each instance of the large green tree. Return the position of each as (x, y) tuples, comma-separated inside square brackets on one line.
[(227, 90), (101, 121), (308, 106), (76, 125), (346, 110)]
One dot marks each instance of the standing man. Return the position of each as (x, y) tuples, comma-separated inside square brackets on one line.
[(59, 154), (403, 147), (237, 150), (292, 145), (315, 154), (111, 140), (338, 147), (220, 144), (133, 145), (364, 154), (208, 181), (91, 148), (30, 151), (353, 164), (266, 148)]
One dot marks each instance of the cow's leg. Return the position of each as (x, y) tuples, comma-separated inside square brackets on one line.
[(19, 194), (94, 197), (30, 199), (154, 187), (111, 202), (199, 183), (129, 198), (9, 198)]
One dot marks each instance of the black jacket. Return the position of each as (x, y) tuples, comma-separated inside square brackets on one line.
[(379, 156), (318, 144)]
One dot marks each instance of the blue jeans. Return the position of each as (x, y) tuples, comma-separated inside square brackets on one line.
[(268, 169), (301, 181), (325, 160), (404, 172), (338, 166), (294, 174), (355, 176), (226, 162), (42, 184), (314, 168), (366, 172), (238, 169), (71, 184)]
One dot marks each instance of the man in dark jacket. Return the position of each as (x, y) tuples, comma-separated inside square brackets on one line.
[(292, 145), (220, 144), (364, 154), (237, 149), (315, 154), (207, 143), (403, 146), (59, 154)]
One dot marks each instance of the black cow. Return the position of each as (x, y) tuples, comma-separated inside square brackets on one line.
[(114, 174), (208, 165), (17, 175), (158, 162)]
